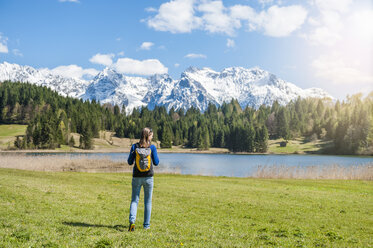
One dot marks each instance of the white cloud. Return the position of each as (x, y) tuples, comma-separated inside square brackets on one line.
[(3, 45), (329, 23), (242, 12), (74, 71), (278, 21), (333, 5), (17, 52), (71, 1), (102, 59), (275, 21), (324, 36), (140, 67), (176, 16), (151, 9), (360, 26), (146, 45), (327, 30), (195, 56), (3, 48), (216, 18), (183, 16), (120, 53), (337, 70), (177, 65), (230, 43), (342, 40), (118, 39), (313, 22)]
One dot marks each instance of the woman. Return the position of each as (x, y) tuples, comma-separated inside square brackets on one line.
[(145, 155)]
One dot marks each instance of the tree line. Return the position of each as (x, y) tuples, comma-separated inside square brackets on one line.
[(52, 118)]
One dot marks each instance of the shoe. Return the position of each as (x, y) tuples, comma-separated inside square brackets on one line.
[(131, 227), (147, 228)]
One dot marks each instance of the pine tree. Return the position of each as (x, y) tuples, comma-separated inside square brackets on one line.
[(263, 140), (283, 124), (250, 139), (166, 137), (203, 139), (86, 136), (177, 139)]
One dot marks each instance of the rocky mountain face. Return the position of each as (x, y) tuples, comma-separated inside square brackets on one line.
[(196, 87), (43, 77)]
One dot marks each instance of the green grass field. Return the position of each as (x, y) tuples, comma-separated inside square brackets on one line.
[(298, 145), (66, 209), (8, 133), (12, 130)]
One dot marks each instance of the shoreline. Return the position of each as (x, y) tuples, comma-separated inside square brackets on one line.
[(216, 151), (102, 164)]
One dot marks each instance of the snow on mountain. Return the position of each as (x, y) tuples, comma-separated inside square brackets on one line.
[(65, 86), (252, 87), (196, 87), (160, 88), (112, 87)]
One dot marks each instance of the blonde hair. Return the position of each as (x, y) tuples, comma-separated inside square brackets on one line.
[(144, 140)]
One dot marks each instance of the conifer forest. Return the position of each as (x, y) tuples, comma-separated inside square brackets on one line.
[(52, 118)]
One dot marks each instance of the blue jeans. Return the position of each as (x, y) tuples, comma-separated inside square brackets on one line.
[(147, 183)]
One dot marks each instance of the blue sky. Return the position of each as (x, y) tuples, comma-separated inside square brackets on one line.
[(313, 43)]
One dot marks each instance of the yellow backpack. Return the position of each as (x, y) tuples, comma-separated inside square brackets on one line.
[(143, 158)]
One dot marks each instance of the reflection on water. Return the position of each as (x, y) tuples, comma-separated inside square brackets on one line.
[(227, 164)]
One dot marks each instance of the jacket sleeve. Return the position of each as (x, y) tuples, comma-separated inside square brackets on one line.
[(131, 157), (155, 158)]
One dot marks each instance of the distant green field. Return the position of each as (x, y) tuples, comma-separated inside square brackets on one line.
[(8, 133), (297, 146), (12, 130), (66, 209)]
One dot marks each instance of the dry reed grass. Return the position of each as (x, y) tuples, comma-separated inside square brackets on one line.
[(61, 163), (358, 172), (80, 163)]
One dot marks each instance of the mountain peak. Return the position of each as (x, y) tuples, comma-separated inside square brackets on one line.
[(42, 77), (108, 71), (191, 69), (197, 87)]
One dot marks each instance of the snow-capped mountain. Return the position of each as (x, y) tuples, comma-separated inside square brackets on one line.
[(196, 87), (65, 86), (252, 87), (111, 87)]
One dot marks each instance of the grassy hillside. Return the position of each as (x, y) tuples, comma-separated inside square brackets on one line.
[(8, 133), (298, 146), (67, 209)]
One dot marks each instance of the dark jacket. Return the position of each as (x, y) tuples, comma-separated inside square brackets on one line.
[(154, 158)]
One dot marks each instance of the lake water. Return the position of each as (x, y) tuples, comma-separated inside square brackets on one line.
[(227, 164)]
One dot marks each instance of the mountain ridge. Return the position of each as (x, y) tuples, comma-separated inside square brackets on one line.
[(196, 87)]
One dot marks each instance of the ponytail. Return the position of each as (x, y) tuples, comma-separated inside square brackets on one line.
[(144, 140)]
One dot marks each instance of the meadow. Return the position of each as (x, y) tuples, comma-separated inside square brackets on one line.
[(79, 209), (8, 133), (299, 146)]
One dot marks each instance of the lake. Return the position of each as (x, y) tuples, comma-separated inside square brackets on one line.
[(227, 164)]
